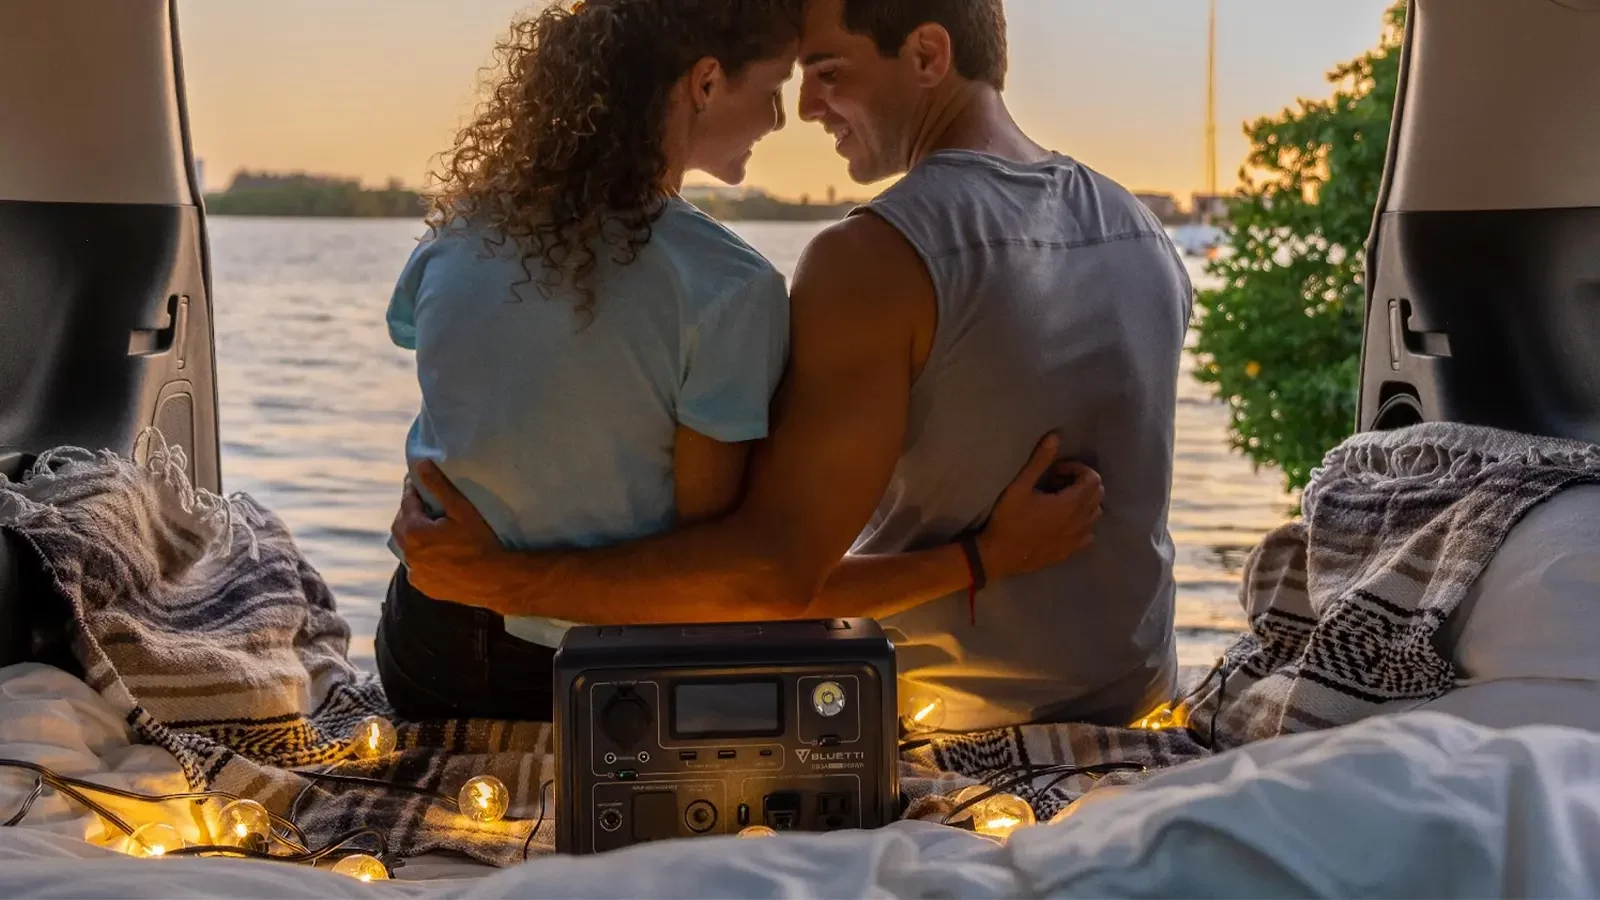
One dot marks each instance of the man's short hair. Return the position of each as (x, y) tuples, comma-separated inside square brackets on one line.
[(977, 30)]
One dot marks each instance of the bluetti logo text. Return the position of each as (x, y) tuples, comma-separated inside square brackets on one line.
[(836, 756)]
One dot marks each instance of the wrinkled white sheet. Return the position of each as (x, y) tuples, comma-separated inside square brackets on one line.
[(1419, 805), (50, 718)]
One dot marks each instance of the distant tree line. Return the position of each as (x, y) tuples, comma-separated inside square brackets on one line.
[(299, 194), (756, 207)]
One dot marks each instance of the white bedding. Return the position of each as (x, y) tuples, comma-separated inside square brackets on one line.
[(1417, 805)]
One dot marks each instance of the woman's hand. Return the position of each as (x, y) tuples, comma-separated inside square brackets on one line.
[(447, 558), (1034, 527)]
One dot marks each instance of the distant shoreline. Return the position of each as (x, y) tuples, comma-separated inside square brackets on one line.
[(213, 214), (267, 195), (723, 211)]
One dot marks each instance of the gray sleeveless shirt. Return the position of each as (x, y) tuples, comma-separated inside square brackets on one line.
[(1062, 305)]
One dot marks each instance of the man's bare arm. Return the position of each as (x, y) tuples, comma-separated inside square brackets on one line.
[(1029, 530), (838, 430)]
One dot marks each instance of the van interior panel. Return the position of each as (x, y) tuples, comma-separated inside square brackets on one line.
[(1483, 302), (105, 289)]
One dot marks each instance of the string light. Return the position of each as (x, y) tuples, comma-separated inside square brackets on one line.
[(374, 738), (971, 801), (247, 830), (153, 840), (484, 799), (1002, 814), (1163, 717), (924, 713), (757, 831), (970, 792), (362, 867), (244, 823)]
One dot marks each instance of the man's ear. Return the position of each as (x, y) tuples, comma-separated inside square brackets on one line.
[(931, 51), (705, 80)]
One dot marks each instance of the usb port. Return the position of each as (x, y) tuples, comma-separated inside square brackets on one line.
[(688, 755), (766, 751), (726, 754)]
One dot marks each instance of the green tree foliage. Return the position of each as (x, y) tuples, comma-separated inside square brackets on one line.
[(1280, 340), (267, 194)]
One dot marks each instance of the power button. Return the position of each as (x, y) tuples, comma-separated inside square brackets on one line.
[(827, 699)]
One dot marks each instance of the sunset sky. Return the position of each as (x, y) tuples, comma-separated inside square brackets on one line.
[(375, 88)]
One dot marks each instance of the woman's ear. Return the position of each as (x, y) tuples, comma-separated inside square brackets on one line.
[(706, 80)]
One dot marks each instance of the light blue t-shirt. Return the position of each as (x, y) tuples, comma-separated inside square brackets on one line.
[(559, 427)]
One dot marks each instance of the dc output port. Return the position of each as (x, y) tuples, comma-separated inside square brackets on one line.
[(700, 816), (610, 820)]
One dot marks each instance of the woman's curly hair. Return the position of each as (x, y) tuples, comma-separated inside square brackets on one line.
[(566, 151)]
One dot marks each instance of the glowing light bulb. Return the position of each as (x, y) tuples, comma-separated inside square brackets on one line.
[(758, 831), (244, 823), (374, 737), (922, 713), (1163, 717), (971, 793), (484, 799), (362, 867), (154, 839), (1003, 814)]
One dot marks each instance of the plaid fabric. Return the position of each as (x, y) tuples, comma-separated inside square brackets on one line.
[(199, 618), (1345, 606), (931, 774)]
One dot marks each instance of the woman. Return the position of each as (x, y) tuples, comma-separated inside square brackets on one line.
[(595, 355)]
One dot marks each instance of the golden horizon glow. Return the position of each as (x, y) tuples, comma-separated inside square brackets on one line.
[(375, 89)]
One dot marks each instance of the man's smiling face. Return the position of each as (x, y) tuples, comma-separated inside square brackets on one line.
[(867, 101)]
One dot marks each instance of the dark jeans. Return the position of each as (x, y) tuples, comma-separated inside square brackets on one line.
[(442, 660)]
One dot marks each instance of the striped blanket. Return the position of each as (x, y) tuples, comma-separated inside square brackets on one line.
[(198, 617)]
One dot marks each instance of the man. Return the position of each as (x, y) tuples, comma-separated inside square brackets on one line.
[(998, 292)]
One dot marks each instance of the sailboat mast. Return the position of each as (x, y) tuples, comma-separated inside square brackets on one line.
[(1211, 102)]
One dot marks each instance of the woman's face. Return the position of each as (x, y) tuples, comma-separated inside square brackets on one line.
[(735, 113)]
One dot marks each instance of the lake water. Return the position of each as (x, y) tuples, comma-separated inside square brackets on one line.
[(315, 404)]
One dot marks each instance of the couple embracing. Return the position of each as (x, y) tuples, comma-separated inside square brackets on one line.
[(957, 419)]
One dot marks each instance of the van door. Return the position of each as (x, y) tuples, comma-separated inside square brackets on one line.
[(105, 292), (1483, 295)]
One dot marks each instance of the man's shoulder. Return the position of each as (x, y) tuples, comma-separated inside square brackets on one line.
[(958, 200), (864, 250), (861, 273)]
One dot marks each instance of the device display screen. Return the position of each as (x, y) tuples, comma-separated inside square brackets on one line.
[(726, 709)]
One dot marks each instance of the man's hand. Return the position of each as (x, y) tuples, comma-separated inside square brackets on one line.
[(1033, 528), (446, 558)]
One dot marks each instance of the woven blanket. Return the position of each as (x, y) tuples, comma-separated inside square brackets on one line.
[(199, 618), (1345, 606), (202, 622)]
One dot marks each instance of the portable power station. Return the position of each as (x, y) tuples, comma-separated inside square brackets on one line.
[(668, 731)]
